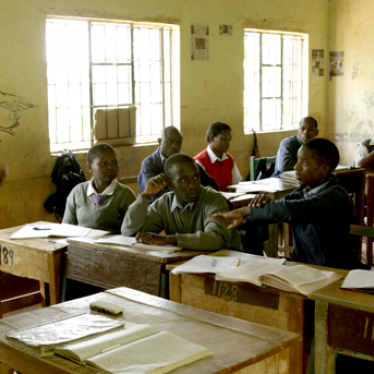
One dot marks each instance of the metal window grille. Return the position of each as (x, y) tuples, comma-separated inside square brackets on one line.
[(273, 80), (95, 65)]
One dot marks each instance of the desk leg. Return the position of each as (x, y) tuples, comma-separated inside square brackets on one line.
[(4, 369), (324, 359), (175, 287), (54, 274)]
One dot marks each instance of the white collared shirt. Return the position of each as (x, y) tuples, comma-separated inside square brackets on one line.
[(108, 191)]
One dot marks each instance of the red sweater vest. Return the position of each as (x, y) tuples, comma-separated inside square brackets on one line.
[(221, 171)]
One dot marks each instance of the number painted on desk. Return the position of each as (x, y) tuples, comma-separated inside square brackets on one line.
[(7, 255), (368, 333), (225, 290)]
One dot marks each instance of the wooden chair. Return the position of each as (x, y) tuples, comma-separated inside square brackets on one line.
[(253, 163)]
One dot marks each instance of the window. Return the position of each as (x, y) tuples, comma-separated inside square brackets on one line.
[(275, 93), (105, 65)]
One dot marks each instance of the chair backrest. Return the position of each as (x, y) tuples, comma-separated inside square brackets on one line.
[(354, 182), (253, 163)]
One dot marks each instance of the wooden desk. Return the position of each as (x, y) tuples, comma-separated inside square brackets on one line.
[(237, 346), (344, 323), (264, 305), (110, 266), (38, 259)]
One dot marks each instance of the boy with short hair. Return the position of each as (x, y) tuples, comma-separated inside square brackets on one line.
[(320, 210)]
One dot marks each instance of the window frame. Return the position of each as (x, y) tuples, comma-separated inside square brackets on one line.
[(259, 126)]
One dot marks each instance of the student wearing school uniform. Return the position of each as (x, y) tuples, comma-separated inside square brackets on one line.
[(215, 159), (287, 153), (320, 210), (170, 144), (184, 213), (102, 202)]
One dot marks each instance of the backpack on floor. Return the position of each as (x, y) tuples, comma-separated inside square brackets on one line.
[(66, 174)]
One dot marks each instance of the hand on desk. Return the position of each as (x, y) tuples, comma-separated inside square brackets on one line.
[(259, 200), (236, 216), (157, 239), (155, 185)]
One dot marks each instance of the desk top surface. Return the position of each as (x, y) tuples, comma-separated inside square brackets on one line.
[(234, 343), (350, 299), (38, 245), (158, 257)]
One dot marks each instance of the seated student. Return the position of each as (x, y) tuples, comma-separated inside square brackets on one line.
[(102, 202), (365, 154), (288, 147), (170, 144), (215, 159), (184, 213), (320, 210)]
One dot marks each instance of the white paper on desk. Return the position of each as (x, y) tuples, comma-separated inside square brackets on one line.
[(129, 241), (217, 264), (359, 279), (62, 230)]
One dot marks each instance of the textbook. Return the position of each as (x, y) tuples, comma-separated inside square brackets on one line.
[(359, 280), (129, 241), (42, 339), (157, 353), (61, 230), (299, 278), (217, 264)]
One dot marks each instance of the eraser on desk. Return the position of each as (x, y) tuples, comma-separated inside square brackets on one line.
[(106, 308)]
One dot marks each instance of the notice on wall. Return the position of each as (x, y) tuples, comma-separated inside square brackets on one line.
[(225, 30), (336, 64), (199, 42), (318, 62)]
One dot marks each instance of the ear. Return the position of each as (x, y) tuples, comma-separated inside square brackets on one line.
[(211, 138), (159, 141), (89, 167), (316, 132)]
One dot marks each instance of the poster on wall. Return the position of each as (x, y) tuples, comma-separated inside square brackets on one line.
[(225, 30), (336, 64), (199, 42), (318, 62)]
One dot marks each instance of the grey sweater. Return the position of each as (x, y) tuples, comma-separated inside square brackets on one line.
[(81, 210), (196, 230)]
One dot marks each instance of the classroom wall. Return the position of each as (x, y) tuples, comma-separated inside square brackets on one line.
[(350, 98), (210, 91)]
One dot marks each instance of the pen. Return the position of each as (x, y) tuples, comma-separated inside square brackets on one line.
[(213, 263), (41, 228), (110, 348), (238, 262)]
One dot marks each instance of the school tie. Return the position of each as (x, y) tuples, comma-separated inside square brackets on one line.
[(99, 199), (183, 211)]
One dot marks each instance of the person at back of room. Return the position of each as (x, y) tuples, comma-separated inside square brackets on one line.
[(184, 212), (215, 159), (287, 153), (320, 211), (102, 202), (170, 143)]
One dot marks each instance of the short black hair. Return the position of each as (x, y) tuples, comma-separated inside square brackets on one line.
[(97, 149), (309, 118), (176, 160), (216, 128), (325, 151), (169, 129)]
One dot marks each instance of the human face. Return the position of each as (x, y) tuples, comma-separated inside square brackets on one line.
[(171, 143), (185, 182), (220, 144), (307, 130), (309, 171), (104, 169)]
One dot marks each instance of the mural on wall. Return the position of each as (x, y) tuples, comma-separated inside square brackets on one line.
[(10, 108)]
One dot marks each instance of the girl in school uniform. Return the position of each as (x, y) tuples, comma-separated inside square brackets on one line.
[(216, 160), (102, 202)]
